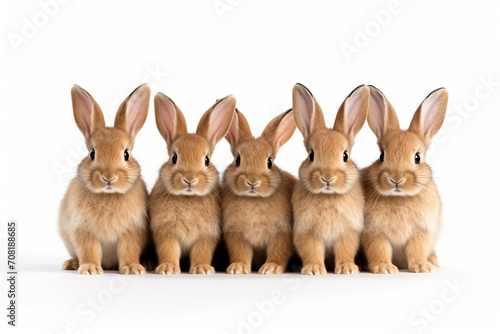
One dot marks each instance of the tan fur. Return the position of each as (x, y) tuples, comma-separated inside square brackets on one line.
[(258, 218), (402, 225), (328, 200), (184, 203), (106, 228)]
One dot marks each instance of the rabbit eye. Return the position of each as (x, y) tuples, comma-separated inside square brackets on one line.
[(174, 158), (346, 156), (126, 155), (417, 158), (92, 155), (207, 161), (311, 155), (269, 163), (382, 156), (238, 161)]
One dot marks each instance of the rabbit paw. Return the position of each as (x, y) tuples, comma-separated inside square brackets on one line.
[(90, 269), (346, 268), (71, 264), (238, 268), (132, 269), (202, 269), (433, 260), (384, 268), (421, 267), (168, 269), (271, 268), (313, 269)]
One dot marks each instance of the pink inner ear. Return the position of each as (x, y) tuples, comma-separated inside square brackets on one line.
[(430, 111), (133, 111), (377, 111), (168, 116), (217, 125), (352, 110), (285, 129), (86, 108), (305, 106)]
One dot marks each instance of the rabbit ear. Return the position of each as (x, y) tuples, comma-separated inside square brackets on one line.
[(307, 112), (215, 122), (169, 119), (352, 113), (429, 116), (88, 114), (239, 130), (279, 130), (381, 115), (133, 111)]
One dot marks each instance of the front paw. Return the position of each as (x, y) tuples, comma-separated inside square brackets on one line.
[(71, 264), (168, 269), (421, 267), (346, 268), (90, 269), (313, 269), (238, 268), (384, 268), (132, 269), (271, 268), (202, 269)]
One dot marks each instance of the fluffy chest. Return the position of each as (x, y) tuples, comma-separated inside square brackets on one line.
[(258, 219), (400, 217), (108, 216), (325, 215), (186, 217)]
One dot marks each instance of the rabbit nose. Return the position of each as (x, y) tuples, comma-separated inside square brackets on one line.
[(253, 184), (328, 181), (190, 182), (397, 183), (108, 180)]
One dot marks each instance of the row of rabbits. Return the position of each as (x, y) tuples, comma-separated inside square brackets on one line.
[(389, 211)]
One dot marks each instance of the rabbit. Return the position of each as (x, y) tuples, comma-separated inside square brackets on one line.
[(184, 203), (103, 215), (256, 194), (403, 207), (328, 200)]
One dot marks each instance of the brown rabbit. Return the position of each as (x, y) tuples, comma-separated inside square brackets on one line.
[(328, 200), (257, 213), (103, 216), (184, 203), (403, 207)]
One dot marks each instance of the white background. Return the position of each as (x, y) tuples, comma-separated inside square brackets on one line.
[(256, 50)]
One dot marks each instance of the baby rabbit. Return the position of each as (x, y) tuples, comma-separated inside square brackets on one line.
[(103, 216), (256, 208), (328, 200), (184, 203), (403, 208)]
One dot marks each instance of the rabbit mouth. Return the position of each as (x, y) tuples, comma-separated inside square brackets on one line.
[(190, 191), (109, 189), (328, 190), (252, 192), (397, 191)]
